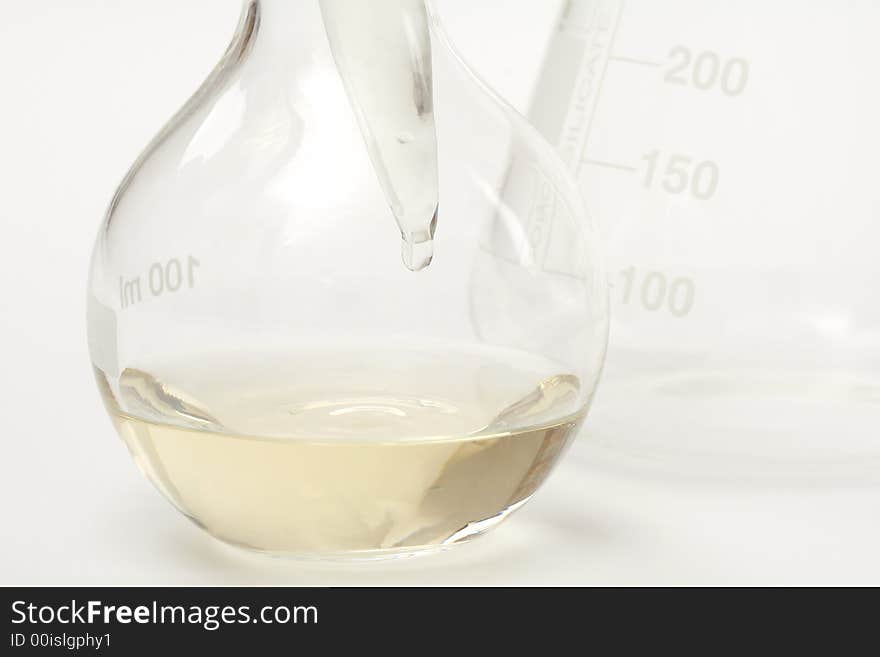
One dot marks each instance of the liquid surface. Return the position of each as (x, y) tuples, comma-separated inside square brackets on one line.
[(347, 453)]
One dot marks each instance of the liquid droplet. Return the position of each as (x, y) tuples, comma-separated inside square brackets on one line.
[(418, 248), (417, 256)]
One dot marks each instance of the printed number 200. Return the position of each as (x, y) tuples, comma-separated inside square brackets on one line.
[(707, 71)]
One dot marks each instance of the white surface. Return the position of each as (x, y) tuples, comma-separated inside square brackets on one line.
[(86, 84)]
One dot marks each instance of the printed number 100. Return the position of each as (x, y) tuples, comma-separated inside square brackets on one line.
[(656, 291)]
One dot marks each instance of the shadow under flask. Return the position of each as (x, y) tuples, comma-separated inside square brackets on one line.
[(280, 373)]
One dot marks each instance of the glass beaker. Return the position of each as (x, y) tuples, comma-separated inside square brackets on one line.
[(727, 150), (275, 369)]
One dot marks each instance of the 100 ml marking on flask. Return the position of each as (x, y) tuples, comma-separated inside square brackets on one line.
[(161, 279)]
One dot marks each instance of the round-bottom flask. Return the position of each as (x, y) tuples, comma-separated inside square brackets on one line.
[(276, 370)]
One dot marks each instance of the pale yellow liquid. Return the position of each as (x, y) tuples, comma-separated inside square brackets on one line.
[(336, 455)]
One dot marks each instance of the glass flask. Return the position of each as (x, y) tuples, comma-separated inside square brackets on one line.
[(316, 315), (727, 152)]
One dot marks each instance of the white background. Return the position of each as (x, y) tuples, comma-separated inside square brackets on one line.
[(85, 85)]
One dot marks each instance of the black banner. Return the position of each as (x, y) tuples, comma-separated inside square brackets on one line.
[(259, 621)]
